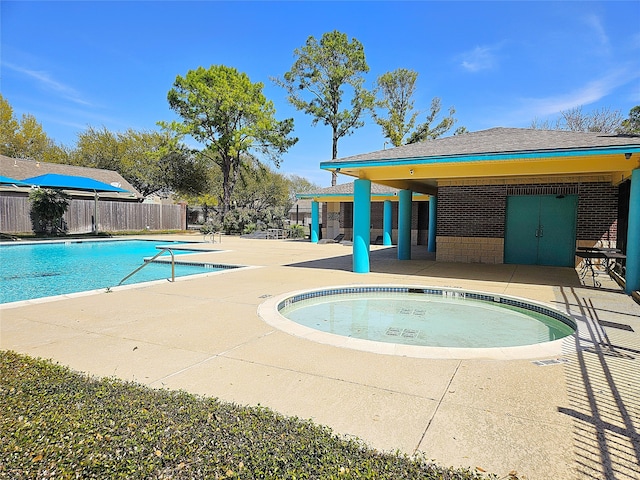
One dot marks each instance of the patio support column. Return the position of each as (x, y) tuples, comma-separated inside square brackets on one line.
[(404, 225), (361, 225), (632, 277), (433, 213), (386, 223), (315, 222)]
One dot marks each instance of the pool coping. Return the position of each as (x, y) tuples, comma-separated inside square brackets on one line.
[(269, 313)]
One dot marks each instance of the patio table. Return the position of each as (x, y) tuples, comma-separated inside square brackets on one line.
[(608, 256)]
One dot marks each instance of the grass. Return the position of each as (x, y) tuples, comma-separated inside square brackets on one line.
[(57, 423)]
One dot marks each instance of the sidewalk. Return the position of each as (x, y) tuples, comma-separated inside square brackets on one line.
[(578, 419)]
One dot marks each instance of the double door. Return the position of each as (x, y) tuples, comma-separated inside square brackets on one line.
[(541, 230)]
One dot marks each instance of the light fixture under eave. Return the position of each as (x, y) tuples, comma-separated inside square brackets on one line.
[(411, 172), (627, 155)]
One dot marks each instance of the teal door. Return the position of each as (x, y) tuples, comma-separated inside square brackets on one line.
[(541, 230)]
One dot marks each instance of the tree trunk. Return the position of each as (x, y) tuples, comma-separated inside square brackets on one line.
[(334, 155), (226, 185)]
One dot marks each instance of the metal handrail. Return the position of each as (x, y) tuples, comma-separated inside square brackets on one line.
[(147, 262), (213, 236)]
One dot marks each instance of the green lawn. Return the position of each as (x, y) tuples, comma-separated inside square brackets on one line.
[(56, 423)]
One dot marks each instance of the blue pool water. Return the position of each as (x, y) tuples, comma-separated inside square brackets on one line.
[(429, 317), (42, 270)]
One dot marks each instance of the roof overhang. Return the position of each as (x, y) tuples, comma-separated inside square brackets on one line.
[(348, 197), (422, 174)]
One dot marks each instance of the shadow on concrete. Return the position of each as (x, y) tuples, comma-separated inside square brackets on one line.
[(423, 264), (603, 385)]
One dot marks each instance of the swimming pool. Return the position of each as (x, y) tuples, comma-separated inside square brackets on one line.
[(37, 270), (366, 316)]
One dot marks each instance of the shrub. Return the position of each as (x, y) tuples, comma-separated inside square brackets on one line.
[(211, 226), (48, 206), (296, 231)]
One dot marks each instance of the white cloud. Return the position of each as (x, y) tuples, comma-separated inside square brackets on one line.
[(593, 21), (589, 93), (48, 83), (480, 58)]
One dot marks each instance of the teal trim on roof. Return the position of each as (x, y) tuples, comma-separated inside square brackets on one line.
[(480, 157), (308, 196)]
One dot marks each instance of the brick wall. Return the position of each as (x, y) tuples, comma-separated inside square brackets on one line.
[(471, 217), (479, 210), (597, 212), (471, 211)]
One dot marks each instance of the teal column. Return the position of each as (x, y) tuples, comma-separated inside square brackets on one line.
[(315, 222), (404, 225), (632, 277), (387, 223), (433, 215), (361, 225)]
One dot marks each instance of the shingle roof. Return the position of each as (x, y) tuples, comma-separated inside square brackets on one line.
[(20, 169), (499, 140), (347, 189)]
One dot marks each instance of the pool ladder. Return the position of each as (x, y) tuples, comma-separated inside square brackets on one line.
[(147, 262)]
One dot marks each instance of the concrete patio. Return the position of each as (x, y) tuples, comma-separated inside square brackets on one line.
[(573, 419)]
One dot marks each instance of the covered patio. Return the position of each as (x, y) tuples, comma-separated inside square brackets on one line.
[(338, 213), (507, 195)]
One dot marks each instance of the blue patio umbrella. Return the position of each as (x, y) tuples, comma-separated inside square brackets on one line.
[(12, 181), (70, 182)]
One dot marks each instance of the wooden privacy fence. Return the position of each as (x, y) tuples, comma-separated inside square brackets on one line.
[(112, 216)]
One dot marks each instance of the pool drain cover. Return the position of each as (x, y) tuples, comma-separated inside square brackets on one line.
[(554, 361), (402, 332)]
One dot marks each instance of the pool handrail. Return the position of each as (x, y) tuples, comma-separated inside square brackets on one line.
[(147, 262)]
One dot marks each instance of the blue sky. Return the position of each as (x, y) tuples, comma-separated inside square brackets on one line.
[(102, 63)]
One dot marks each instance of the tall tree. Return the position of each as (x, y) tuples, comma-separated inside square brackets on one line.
[(603, 120), (8, 128), (151, 161), (98, 148), (183, 171), (298, 184), (396, 90), (317, 80), (223, 110), (24, 138), (425, 131), (631, 125), (260, 188)]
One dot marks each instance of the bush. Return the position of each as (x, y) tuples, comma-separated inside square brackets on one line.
[(211, 226), (249, 228), (48, 206), (296, 231)]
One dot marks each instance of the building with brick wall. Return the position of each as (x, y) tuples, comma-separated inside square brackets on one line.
[(509, 195), (336, 213)]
